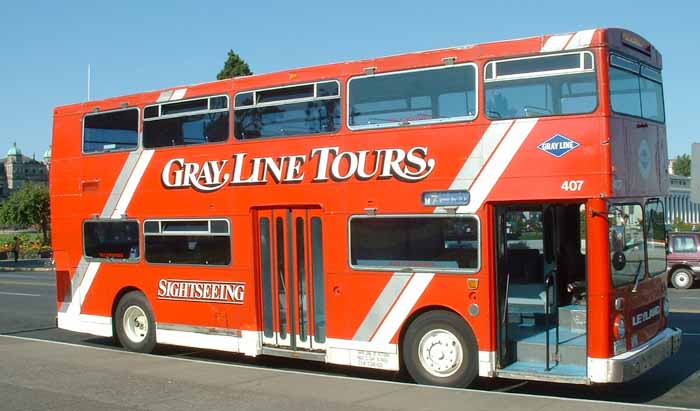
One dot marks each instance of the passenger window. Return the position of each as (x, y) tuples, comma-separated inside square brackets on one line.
[(433, 243), (541, 86), (111, 131), (288, 111), (423, 96), (195, 242), (204, 120), (113, 240)]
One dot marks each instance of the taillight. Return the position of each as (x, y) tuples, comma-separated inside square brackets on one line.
[(619, 327)]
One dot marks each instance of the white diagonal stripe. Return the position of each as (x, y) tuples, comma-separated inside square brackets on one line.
[(164, 96), (581, 40), (178, 94), (478, 157), (397, 316), (80, 293), (132, 184), (492, 136), (497, 164), (556, 43)]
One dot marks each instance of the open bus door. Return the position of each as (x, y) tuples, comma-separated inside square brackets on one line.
[(541, 274)]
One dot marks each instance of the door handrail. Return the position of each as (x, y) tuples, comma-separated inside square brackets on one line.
[(550, 280)]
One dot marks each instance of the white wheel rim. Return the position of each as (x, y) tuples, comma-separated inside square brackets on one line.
[(682, 278), (440, 353), (135, 324)]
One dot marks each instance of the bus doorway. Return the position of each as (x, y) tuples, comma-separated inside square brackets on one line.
[(541, 271)]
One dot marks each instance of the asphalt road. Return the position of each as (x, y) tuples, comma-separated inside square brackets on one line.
[(27, 309)]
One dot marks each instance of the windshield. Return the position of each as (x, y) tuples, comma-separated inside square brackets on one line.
[(626, 243), (637, 241), (636, 89)]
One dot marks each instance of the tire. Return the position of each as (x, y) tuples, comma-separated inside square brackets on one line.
[(682, 278), (135, 323), (455, 361)]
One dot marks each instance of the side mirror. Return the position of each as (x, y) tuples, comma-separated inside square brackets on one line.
[(619, 261)]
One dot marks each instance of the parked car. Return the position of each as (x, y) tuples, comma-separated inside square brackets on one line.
[(683, 258)]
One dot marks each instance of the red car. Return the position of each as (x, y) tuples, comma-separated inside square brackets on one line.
[(683, 259)]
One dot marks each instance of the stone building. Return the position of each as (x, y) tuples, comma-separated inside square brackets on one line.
[(677, 203), (18, 169)]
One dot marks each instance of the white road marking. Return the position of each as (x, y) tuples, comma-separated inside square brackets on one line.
[(691, 334), (338, 377), (21, 294)]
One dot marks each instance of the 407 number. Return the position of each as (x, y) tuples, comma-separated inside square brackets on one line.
[(572, 185)]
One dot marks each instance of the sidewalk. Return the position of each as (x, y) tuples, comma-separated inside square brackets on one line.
[(37, 264)]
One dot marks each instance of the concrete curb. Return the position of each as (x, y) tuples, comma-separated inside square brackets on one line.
[(27, 269)]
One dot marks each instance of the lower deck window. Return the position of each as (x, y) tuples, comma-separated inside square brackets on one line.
[(431, 243), (196, 242), (111, 239)]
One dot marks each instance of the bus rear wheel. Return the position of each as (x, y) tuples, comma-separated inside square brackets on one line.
[(439, 348), (134, 323)]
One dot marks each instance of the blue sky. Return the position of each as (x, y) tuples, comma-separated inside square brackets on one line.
[(134, 46)]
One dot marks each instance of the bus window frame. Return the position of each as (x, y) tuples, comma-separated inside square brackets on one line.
[(551, 73), (409, 269), (159, 220), (143, 120), (398, 124), (111, 259), (615, 52), (290, 101), (139, 130)]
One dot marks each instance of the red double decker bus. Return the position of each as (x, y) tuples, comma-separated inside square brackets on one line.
[(489, 210)]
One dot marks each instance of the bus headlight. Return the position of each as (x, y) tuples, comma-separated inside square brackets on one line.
[(619, 327), (667, 307)]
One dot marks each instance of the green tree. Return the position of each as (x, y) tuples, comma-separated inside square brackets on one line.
[(234, 67), (681, 165), (28, 206)]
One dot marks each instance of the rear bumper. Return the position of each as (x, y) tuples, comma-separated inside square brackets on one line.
[(632, 364)]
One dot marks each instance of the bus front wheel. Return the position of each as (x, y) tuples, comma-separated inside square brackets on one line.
[(135, 323), (439, 348)]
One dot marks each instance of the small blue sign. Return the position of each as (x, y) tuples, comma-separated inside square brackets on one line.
[(558, 145)]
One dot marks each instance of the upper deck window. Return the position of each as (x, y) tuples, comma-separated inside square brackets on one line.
[(203, 120), (541, 86), (636, 89), (111, 130), (288, 111), (425, 96)]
